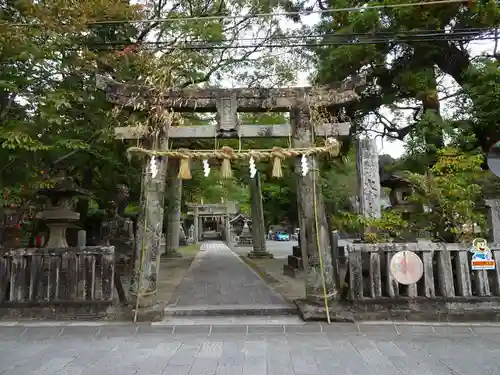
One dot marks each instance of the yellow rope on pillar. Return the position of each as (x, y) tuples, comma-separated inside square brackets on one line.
[(334, 150), (318, 246)]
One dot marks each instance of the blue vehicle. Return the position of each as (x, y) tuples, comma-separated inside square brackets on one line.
[(281, 236)]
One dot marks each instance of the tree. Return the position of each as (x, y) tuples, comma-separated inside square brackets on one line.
[(405, 71), (451, 194), (49, 108)]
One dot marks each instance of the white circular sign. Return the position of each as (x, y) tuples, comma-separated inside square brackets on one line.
[(406, 267)]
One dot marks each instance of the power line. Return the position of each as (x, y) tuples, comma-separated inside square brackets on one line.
[(328, 37), (321, 39), (388, 35), (291, 41), (392, 34), (367, 41), (261, 15), (283, 14)]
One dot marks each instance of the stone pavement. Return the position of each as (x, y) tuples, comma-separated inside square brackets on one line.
[(280, 249), (340, 349), (219, 278)]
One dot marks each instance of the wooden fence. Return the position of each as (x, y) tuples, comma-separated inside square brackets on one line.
[(51, 276), (446, 274)]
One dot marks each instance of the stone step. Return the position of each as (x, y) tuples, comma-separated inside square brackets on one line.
[(295, 262), (230, 320), (230, 310), (291, 272), (239, 325)]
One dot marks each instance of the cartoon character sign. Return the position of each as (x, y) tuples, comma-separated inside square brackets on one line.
[(481, 258)]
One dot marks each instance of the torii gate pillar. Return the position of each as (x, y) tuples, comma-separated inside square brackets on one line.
[(149, 230)]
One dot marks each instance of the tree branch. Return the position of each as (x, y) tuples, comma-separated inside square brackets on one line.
[(321, 5), (395, 106), (222, 63), (495, 48), (451, 95), (151, 26), (389, 127), (8, 106)]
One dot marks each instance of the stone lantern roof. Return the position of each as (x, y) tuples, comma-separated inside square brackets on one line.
[(389, 179), (240, 218)]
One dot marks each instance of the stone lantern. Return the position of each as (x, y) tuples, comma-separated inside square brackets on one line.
[(399, 196), (58, 214), (245, 238)]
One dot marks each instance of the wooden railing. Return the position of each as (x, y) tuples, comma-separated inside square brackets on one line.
[(447, 273), (51, 276)]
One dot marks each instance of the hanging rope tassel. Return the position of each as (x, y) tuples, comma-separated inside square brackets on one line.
[(225, 170), (184, 168), (129, 157), (333, 146), (278, 156)]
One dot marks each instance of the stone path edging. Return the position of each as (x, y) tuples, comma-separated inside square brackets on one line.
[(272, 326)]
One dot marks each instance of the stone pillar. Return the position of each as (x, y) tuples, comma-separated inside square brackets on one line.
[(368, 177), (200, 228), (258, 227), (174, 194), (308, 188), (82, 239), (149, 230), (195, 228), (493, 219), (302, 244), (227, 229), (367, 168)]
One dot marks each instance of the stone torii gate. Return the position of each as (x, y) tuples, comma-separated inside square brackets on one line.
[(199, 211), (298, 101)]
